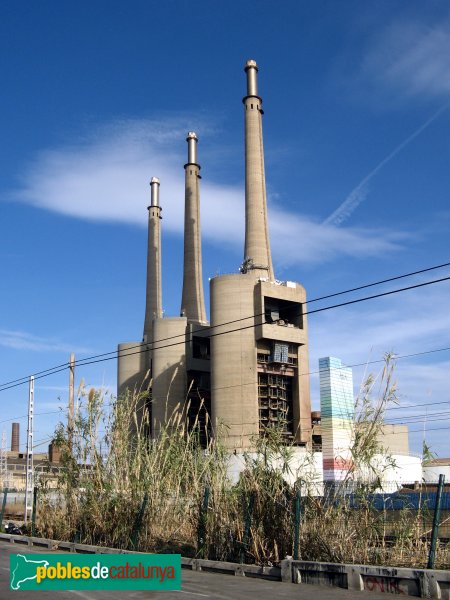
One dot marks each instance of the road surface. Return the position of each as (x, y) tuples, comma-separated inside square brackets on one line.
[(195, 586)]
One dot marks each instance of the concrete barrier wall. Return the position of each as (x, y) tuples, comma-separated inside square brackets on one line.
[(422, 583)]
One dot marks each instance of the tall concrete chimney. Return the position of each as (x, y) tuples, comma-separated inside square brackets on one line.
[(15, 437), (153, 308), (193, 301), (257, 256)]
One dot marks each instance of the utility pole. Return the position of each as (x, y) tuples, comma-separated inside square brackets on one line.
[(70, 420), (29, 489)]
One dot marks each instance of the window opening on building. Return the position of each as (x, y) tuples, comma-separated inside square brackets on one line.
[(280, 353), (283, 312), (199, 406), (201, 347), (275, 404)]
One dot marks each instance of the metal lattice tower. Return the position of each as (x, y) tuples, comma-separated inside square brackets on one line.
[(29, 472), (4, 462)]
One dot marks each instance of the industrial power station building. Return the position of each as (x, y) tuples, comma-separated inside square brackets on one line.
[(246, 370)]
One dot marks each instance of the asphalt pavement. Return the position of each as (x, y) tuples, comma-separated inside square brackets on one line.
[(195, 586)]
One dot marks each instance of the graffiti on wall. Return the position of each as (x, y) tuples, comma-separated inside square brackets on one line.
[(389, 585)]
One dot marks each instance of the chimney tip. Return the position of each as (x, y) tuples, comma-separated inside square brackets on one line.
[(192, 141), (251, 68), (251, 64), (154, 186)]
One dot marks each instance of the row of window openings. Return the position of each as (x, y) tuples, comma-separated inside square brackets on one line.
[(268, 358), (272, 393), (23, 468), (280, 353), (276, 380)]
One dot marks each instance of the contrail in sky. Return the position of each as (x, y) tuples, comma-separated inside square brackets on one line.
[(359, 193)]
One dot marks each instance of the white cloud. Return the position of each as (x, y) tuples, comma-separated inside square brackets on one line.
[(349, 205), (105, 178), (412, 57), (360, 192), (22, 340), (406, 59), (298, 239)]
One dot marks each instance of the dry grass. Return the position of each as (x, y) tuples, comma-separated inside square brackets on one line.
[(108, 472)]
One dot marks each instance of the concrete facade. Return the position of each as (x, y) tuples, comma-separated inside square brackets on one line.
[(257, 256), (46, 467), (168, 371), (394, 438), (153, 304), (171, 363), (259, 345), (247, 372), (193, 300), (234, 382), (134, 359), (132, 366)]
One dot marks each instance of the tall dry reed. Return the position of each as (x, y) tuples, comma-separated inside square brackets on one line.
[(110, 465)]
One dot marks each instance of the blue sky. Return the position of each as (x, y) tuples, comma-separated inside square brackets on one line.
[(97, 98)]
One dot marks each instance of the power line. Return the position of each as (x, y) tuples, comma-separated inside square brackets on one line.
[(362, 287), (419, 418), (315, 373), (418, 405), (39, 377), (308, 429), (26, 377), (116, 353), (237, 320), (422, 418), (411, 418), (433, 429), (362, 364), (439, 415), (410, 287), (203, 329), (252, 325), (402, 420), (43, 441), (52, 412)]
